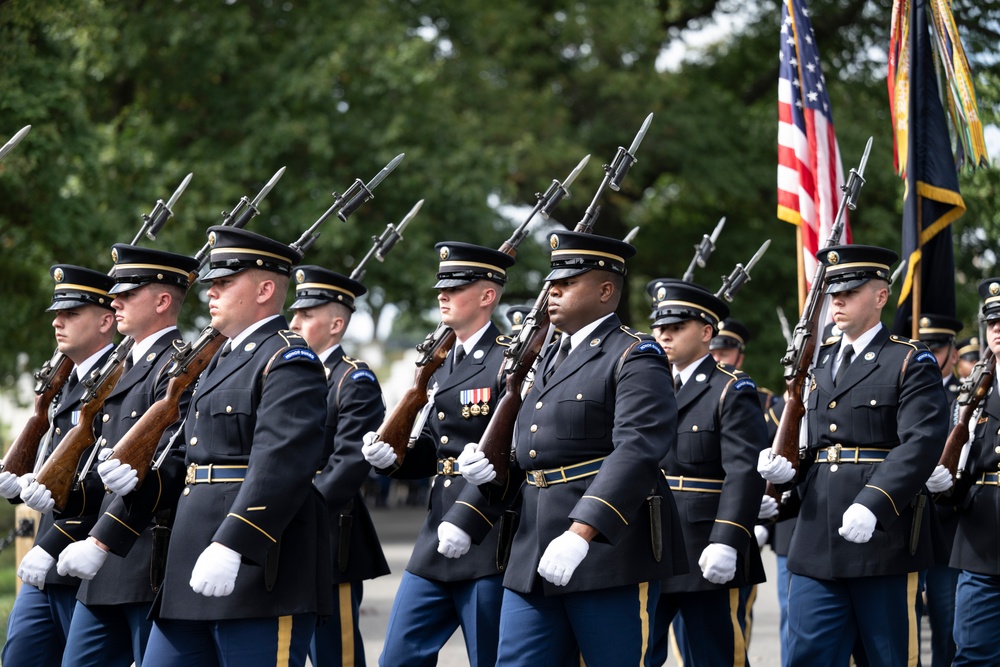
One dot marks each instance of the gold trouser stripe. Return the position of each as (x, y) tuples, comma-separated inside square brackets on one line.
[(748, 615), (283, 656), (739, 646), (346, 625), (675, 648), (644, 619), (870, 486), (913, 648), (462, 502), (602, 500)]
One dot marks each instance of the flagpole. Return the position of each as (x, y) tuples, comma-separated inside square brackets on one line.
[(913, 200), (800, 266)]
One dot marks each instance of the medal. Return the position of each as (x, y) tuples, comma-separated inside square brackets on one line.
[(465, 411), (474, 409), (485, 410)]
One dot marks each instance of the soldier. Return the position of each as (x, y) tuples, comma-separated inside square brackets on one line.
[(438, 593), (324, 303), (598, 528), (248, 566), (711, 473), (968, 355), (110, 625), (40, 619), (877, 423)]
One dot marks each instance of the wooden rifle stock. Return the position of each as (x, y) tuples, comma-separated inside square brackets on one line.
[(59, 470), (138, 447), (21, 455), (973, 391)]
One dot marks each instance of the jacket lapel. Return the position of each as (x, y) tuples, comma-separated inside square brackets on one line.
[(580, 355), (474, 363), (693, 388), (864, 363), (144, 366), (239, 357)]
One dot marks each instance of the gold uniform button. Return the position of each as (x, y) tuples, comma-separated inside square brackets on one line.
[(695, 428), (104, 441), (534, 427), (441, 416), (187, 490), (997, 450), (579, 397), (833, 428), (834, 468), (106, 418), (58, 431), (194, 441), (532, 453), (538, 405), (873, 401), (447, 483), (134, 413), (444, 440), (196, 413), (832, 405), (229, 408)]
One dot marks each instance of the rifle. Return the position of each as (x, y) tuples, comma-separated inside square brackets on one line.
[(397, 427), (970, 395), (799, 355), (138, 446), (703, 250), (49, 380), (536, 331), (740, 275), (381, 245), (14, 141)]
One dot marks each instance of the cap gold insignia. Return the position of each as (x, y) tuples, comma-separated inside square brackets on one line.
[(300, 276), (973, 341), (722, 325), (869, 356), (595, 342), (994, 288), (554, 241), (518, 318), (211, 239), (58, 275), (114, 254), (150, 356), (444, 253), (832, 257), (925, 321), (249, 346)]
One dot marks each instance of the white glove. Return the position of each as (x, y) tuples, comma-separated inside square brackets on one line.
[(9, 486), (214, 573), (561, 558), (761, 533), (768, 508), (452, 540), (377, 452), (81, 559), (774, 468), (34, 566), (718, 563), (35, 495), (117, 476), (474, 466), (859, 524), (940, 480)]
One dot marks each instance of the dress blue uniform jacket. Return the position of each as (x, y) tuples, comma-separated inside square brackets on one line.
[(720, 433), (354, 407), (585, 411), (262, 406), (125, 523), (975, 546), (451, 499), (890, 398)]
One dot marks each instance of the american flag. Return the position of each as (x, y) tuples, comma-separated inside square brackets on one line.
[(809, 169)]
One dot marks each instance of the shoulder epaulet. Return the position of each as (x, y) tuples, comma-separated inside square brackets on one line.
[(729, 370), (738, 379), (903, 341), (292, 339), (766, 391), (638, 335), (355, 363), (505, 340)]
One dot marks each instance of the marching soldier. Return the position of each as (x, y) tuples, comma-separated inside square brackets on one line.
[(977, 497), (118, 559), (711, 473), (248, 566), (877, 423), (40, 619), (324, 303), (968, 355), (598, 529), (439, 593)]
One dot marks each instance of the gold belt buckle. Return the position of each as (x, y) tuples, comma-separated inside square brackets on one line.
[(538, 476), (447, 467), (189, 475), (833, 454)]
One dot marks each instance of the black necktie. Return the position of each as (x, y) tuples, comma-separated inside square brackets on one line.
[(70, 385), (844, 363), (678, 383), (226, 349), (459, 356), (565, 345), (128, 364)]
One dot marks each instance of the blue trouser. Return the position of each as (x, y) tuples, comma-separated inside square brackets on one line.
[(977, 617), (38, 625), (426, 613), (706, 627), (607, 627), (338, 638), (108, 635), (939, 586), (826, 617), (249, 642), (782, 579)]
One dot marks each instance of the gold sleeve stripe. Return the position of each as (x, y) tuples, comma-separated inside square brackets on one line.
[(462, 502), (602, 500), (886, 495), (733, 523), (59, 528), (130, 528), (253, 525)]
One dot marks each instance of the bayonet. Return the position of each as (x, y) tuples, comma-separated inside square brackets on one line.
[(365, 192), (704, 250), (14, 141), (153, 223), (740, 275), (631, 235), (786, 330), (558, 190), (384, 243), (626, 158)]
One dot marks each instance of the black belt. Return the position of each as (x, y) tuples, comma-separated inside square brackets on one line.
[(838, 454), (694, 484), (448, 467), (544, 478), (212, 474)]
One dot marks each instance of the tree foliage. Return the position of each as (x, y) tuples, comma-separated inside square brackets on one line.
[(489, 103)]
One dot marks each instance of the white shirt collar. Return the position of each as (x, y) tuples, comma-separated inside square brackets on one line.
[(141, 347), (584, 333), (83, 369), (236, 341), (860, 343), (690, 369), (327, 353), (473, 340)]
